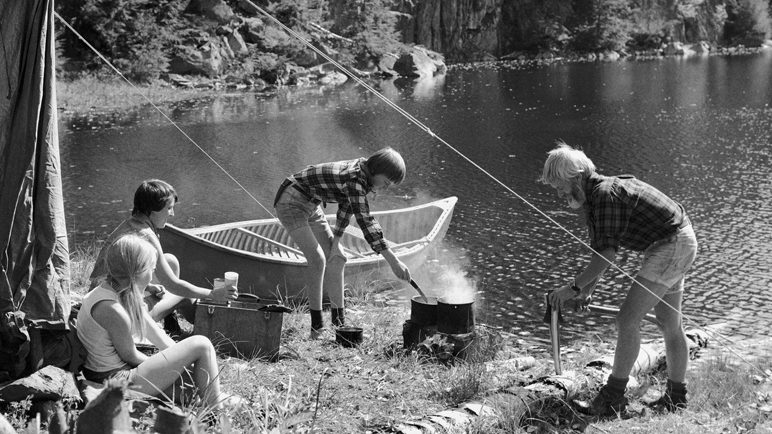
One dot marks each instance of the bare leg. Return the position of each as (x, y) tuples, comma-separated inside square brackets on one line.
[(676, 348), (315, 257), (333, 271), (161, 371), (638, 302)]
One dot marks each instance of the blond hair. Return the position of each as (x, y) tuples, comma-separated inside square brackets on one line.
[(127, 258), (565, 164)]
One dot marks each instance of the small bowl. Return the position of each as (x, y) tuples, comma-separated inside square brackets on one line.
[(348, 336)]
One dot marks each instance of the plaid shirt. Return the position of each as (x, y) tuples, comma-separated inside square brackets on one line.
[(346, 183), (624, 211)]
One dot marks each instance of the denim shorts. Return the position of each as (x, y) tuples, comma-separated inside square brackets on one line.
[(666, 262), (295, 211), (118, 374)]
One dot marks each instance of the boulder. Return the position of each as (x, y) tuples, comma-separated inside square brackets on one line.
[(418, 62), (237, 44), (701, 48), (674, 49), (333, 78), (48, 383), (216, 10), (207, 60), (253, 30), (248, 7)]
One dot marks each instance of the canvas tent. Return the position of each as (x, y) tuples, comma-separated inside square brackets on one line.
[(34, 257)]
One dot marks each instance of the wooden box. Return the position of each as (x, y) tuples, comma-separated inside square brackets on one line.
[(241, 329)]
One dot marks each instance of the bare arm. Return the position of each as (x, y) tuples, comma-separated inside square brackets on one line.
[(587, 279), (183, 288), (114, 318), (156, 335), (397, 267)]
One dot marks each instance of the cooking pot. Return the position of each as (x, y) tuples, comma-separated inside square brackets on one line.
[(423, 313), (453, 317)]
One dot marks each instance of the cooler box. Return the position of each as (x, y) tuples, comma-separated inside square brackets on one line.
[(247, 328)]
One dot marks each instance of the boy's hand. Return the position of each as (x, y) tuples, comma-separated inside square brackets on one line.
[(400, 270), (557, 298)]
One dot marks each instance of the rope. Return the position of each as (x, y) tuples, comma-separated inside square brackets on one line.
[(225, 171), (426, 129)]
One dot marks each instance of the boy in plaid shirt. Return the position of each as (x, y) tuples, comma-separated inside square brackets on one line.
[(621, 211), (346, 183)]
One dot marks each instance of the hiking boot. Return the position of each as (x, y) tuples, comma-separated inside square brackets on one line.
[(669, 402), (608, 402), (316, 334)]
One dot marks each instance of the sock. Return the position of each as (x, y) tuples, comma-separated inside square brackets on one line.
[(675, 388), (337, 314), (317, 322), (617, 385)]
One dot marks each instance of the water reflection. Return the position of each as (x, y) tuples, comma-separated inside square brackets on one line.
[(697, 128)]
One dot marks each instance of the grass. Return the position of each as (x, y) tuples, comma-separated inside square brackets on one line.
[(318, 386), (91, 93)]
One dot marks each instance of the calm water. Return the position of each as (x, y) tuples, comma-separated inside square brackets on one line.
[(698, 129)]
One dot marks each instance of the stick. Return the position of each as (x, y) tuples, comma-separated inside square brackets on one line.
[(415, 285)]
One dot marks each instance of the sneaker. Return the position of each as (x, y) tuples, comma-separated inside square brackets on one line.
[(669, 402), (608, 403)]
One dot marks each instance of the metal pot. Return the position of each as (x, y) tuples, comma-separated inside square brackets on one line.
[(423, 314), (455, 318)]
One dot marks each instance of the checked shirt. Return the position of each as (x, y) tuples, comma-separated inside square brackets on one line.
[(624, 211), (347, 184)]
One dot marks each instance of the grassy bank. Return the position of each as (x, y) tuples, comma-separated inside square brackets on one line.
[(111, 94), (318, 386)]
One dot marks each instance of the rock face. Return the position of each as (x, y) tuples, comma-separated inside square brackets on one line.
[(475, 29)]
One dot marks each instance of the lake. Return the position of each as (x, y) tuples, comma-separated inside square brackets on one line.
[(698, 129)]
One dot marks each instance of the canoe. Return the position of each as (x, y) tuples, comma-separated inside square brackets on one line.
[(271, 265)]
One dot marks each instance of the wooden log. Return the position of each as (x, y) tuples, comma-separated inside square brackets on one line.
[(527, 400), (106, 414), (172, 421)]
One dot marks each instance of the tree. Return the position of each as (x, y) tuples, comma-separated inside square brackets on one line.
[(607, 26), (748, 22)]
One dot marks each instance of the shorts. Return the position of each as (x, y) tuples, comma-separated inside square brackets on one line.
[(124, 373), (295, 211), (666, 261)]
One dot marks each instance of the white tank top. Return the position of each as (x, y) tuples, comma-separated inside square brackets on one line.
[(101, 356)]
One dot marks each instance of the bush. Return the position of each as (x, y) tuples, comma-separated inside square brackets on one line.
[(644, 41), (747, 23), (133, 34)]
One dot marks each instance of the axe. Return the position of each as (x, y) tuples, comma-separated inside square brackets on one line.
[(554, 317)]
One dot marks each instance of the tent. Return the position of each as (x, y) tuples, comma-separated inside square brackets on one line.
[(34, 255)]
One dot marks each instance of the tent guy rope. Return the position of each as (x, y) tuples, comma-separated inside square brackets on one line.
[(308, 43)]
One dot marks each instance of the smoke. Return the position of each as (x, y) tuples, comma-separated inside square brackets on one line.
[(444, 276)]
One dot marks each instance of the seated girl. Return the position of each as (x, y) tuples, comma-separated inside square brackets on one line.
[(114, 313)]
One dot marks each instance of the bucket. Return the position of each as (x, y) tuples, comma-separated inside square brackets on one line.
[(423, 314), (455, 318), (348, 336)]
